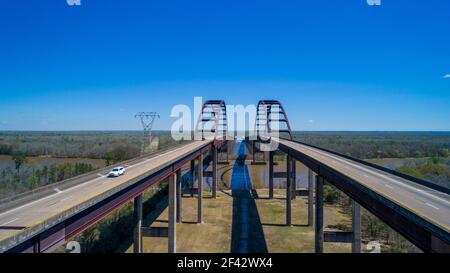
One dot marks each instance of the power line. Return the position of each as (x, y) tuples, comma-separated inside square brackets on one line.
[(147, 120)]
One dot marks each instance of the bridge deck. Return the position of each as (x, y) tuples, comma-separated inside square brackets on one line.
[(425, 202), (18, 219)]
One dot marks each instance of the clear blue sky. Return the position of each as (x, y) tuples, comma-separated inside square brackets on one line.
[(335, 64)]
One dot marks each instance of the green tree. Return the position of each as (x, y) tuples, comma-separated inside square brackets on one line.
[(19, 159), (121, 152), (67, 171), (32, 182), (52, 174), (5, 149), (411, 171)]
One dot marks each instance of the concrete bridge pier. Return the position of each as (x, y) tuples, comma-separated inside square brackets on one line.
[(192, 173), (254, 151), (230, 145), (289, 167), (224, 150), (271, 155), (137, 216), (356, 227), (214, 171), (353, 237), (319, 238), (200, 189), (179, 196), (310, 198), (172, 231), (293, 179)]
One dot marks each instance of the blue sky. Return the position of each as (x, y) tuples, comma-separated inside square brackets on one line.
[(335, 64)]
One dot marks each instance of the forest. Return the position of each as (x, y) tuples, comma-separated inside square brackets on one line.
[(368, 145), (112, 147)]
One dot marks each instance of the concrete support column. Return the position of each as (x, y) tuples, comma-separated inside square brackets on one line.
[(356, 226), (254, 151), (200, 189), (179, 196), (192, 173), (310, 198), (137, 216), (288, 190), (228, 150), (319, 215), (214, 170), (293, 178), (37, 244), (271, 154), (172, 214)]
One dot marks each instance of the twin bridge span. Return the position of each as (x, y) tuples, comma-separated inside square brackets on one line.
[(46, 218)]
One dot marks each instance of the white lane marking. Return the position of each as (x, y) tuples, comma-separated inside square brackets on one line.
[(389, 186), (47, 197), (347, 167), (101, 175), (158, 156), (431, 206), (57, 190), (379, 175), (83, 184), (9, 222), (365, 175), (66, 198)]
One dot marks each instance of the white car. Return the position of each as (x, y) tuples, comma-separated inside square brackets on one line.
[(117, 171)]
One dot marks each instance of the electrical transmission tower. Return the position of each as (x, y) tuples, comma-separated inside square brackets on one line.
[(147, 120)]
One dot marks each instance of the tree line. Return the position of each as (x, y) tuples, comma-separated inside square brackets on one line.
[(97, 145), (381, 145), (20, 179)]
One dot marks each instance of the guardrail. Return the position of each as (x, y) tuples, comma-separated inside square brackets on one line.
[(38, 193), (419, 181), (51, 232)]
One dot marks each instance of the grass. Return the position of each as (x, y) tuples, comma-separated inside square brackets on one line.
[(214, 235), (299, 238)]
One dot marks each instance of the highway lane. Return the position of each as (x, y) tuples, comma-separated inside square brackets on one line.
[(428, 203), (35, 212)]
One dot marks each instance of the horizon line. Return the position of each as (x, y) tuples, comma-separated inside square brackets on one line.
[(294, 131)]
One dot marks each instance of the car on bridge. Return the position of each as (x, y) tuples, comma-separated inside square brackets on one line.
[(116, 172)]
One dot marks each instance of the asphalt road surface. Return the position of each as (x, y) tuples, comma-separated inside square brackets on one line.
[(32, 213)]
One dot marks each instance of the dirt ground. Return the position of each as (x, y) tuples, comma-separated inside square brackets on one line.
[(221, 231)]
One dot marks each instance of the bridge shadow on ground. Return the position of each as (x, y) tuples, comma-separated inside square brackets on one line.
[(247, 235), (152, 209)]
